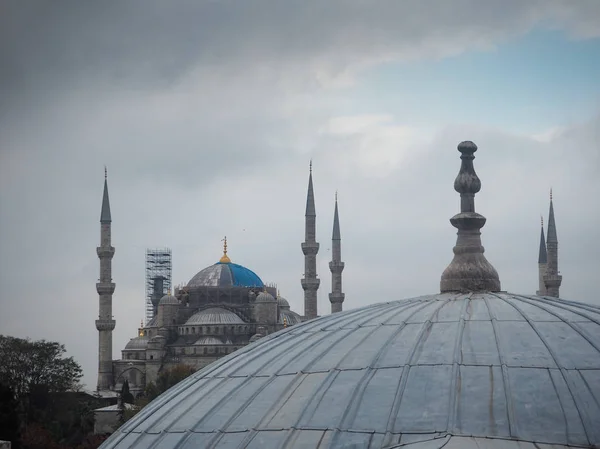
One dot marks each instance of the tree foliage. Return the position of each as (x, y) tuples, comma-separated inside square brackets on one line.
[(27, 363), (126, 396), (9, 418), (166, 379)]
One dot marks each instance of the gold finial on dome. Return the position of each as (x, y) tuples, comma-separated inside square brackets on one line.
[(141, 329), (225, 258), (284, 321)]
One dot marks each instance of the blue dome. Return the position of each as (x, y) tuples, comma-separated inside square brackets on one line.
[(226, 274)]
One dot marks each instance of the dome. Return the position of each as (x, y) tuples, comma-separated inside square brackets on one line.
[(497, 366), (137, 343), (283, 303), (214, 315), (226, 274), (168, 299), (291, 318), (207, 341), (265, 296)]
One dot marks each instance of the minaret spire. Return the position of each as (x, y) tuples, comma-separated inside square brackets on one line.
[(336, 297), (552, 279), (105, 288), (542, 262), (469, 271), (310, 248)]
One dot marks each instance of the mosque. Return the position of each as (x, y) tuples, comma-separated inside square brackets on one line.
[(222, 308), (472, 366)]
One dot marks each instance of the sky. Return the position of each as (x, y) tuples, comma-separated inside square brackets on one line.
[(207, 114)]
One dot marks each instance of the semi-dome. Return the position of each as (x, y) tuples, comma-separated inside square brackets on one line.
[(283, 303), (137, 343), (208, 341), (214, 315), (290, 318), (226, 274), (480, 365)]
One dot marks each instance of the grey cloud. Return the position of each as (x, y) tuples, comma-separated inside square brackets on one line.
[(154, 42)]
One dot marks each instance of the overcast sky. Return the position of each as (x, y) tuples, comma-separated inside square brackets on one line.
[(208, 112)]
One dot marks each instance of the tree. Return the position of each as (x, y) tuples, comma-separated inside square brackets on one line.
[(9, 416), (27, 363), (168, 378), (126, 396)]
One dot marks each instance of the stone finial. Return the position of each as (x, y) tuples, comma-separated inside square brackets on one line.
[(469, 271)]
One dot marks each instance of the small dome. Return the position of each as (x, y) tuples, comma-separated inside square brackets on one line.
[(137, 344), (226, 274), (208, 341), (265, 296), (255, 337), (168, 299), (291, 318), (283, 303), (214, 315)]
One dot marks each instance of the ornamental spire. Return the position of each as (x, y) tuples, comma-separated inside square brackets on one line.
[(225, 258), (469, 271)]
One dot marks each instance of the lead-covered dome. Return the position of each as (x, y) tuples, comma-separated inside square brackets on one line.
[(490, 365), (137, 344), (226, 274), (214, 315)]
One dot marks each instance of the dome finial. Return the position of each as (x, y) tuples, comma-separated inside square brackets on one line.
[(550, 193), (105, 173), (310, 166), (542, 217), (225, 258), (469, 271)]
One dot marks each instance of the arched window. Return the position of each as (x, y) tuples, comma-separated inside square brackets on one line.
[(187, 330), (205, 350), (193, 330)]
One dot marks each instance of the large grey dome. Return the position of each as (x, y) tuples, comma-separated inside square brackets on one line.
[(495, 366)]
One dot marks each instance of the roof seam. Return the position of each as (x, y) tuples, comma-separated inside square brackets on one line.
[(556, 361)]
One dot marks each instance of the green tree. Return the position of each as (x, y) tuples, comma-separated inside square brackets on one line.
[(27, 363)]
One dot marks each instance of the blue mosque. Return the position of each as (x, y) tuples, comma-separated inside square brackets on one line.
[(221, 309)]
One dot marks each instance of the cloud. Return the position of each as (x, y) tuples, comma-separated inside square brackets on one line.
[(152, 43), (207, 114)]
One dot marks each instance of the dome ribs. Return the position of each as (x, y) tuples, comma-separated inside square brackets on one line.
[(559, 367)]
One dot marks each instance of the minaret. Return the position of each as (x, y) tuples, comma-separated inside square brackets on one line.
[(105, 288), (552, 279), (336, 297), (310, 248), (469, 270), (542, 262)]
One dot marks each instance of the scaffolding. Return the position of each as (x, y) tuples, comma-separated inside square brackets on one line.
[(158, 273)]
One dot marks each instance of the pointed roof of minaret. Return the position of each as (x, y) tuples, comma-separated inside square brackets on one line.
[(336, 222), (543, 257), (310, 197), (105, 214), (551, 224)]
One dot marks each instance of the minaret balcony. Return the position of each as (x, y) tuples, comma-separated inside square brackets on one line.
[(336, 267), (310, 283), (105, 252), (336, 297), (105, 288), (310, 248), (105, 325), (553, 280)]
